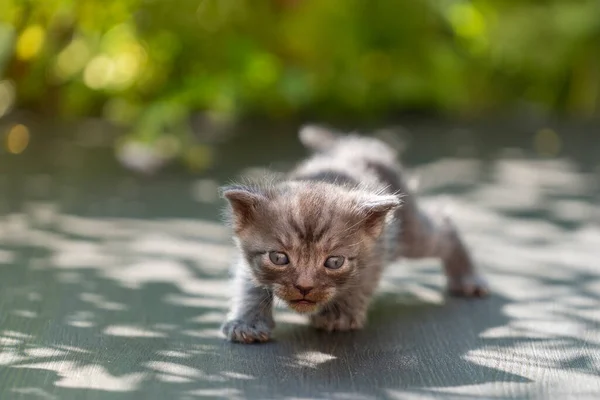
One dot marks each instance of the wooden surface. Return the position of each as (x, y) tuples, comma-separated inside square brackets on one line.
[(115, 288)]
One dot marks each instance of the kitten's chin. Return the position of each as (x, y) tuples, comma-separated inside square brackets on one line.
[(303, 307)]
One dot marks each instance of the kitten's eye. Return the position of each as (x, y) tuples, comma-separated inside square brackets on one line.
[(278, 258), (334, 262)]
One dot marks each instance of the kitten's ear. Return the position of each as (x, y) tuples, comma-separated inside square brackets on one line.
[(244, 201), (375, 209)]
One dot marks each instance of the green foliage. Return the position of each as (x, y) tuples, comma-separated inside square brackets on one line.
[(148, 64)]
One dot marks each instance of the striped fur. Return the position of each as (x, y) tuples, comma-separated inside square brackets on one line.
[(348, 199)]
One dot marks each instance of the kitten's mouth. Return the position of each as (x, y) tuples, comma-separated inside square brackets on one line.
[(304, 302), (303, 305)]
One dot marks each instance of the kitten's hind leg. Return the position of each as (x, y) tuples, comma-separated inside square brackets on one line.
[(422, 236), (251, 316)]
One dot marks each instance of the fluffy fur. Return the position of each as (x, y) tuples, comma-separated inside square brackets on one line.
[(348, 201)]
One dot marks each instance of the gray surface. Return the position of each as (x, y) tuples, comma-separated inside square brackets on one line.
[(113, 287)]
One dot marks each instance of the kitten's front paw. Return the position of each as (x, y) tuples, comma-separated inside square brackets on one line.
[(468, 286), (241, 331), (330, 323)]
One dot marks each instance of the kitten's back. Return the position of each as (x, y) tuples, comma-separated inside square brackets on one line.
[(348, 160)]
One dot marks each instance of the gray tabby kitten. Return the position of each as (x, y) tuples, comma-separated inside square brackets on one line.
[(319, 240)]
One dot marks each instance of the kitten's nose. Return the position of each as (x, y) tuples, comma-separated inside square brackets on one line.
[(304, 289)]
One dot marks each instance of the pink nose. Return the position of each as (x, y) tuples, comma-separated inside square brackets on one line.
[(304, 289)]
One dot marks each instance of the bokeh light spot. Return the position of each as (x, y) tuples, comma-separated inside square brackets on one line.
[(126, 69), (547, 142), (72, 59), (467, 21), (99, 72), (7, 96), (263, 70), (17, 139), (30, 42)]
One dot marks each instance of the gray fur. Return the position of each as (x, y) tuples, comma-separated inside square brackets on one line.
[(349, 199)]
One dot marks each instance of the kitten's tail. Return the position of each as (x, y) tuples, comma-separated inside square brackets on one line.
[(317, 138)]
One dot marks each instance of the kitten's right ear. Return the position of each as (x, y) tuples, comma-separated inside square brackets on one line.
[(375, 209), (244, 201)]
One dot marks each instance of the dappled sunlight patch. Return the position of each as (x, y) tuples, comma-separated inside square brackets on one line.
[(226, 393), (6, 257), (527, 288), (236, 375), (199, 302), (14, 228), (215, 255), (490, 390), (199, 348), (580, 301), (8, 341), (81, 319), (524, 184), (311, 359), (67, 277), (173, 354), (174, 372), (209, 317), (216, 288), (550, 328), (94, 228), (93, 377), (202, 333), (80, 254), (574, 211), (100, 302), (541, 358), (588, 235), (145, 271), (18, 335), (522, 197), (132, 331), (10, 357), (81, 324), (173, 378), (181, 371), (448, 173), (197, 229), (41, 213), (73, 349), (43, 352), (25, 313), (36, 393), (20, 358)]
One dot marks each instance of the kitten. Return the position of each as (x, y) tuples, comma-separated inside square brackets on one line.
[(319, 239)]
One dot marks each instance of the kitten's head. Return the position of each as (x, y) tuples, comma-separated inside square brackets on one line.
[(305, 240)]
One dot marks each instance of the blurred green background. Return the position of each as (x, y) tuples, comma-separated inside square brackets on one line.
[(149, 66)]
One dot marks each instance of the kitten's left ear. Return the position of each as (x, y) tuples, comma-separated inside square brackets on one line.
[(244, 201), (375, 209)]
